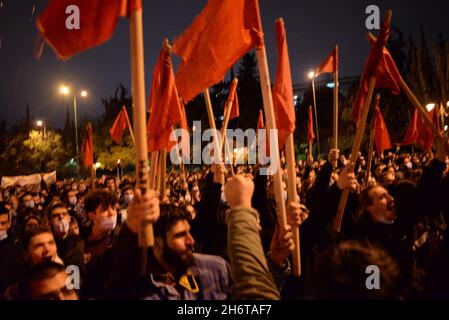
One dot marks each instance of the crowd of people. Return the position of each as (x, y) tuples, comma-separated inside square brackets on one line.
[(215, 241)]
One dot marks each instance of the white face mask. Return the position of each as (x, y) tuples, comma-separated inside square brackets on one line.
[(3, 235), (409, 165), (128, 198), (188, 198), (29, 204), (72, 201), (61, 227), (107, 224)]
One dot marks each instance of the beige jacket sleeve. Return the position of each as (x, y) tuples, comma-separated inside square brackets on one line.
[(251, 276)]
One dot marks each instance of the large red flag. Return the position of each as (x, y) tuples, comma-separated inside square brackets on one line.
[(418, 132), (119, 126), (235, 110), (165, 108), (88, 148), (97, 22), (374, 66), (381, 136), (284, 108), (310, 133), (260, 123), (218, 37), (330, 65)]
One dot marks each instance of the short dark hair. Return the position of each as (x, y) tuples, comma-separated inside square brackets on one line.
[(30, 234), (4, 210), (342, 272), (26, 193), (54, 205), (169, 216), (97, 198), (39, 272)]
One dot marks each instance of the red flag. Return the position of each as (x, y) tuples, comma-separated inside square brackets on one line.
[(235, 110), (218, 37), (119, 126), (381, 136), (165, 108), (374, 66), (88, 148), (284, 108), (330, 65), (418, 132), (97, 22), (260, 123), (310, 133)]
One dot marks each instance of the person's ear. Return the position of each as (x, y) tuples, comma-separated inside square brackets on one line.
[(91, 216)]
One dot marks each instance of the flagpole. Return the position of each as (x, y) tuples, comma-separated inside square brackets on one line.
[(153, 169), (210, 114), (355, 151), (293, 197), (271, 124), (371, 146), (316, 117), (146, 237), (335, 136), (92, 176), (162, 173)]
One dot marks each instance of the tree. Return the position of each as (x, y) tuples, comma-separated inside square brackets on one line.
[(46, 152)]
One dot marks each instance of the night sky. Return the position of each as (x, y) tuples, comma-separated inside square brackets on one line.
[(313, 28)]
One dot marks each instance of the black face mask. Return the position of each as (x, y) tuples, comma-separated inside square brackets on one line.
[(172, 257)]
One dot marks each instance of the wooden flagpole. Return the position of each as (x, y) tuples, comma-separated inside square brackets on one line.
[(293, 197), (361, 123), (162, 173), (146, 237), (271, 124), (371, 147), (216, 142), (153, 169), (335, 135), (355, 151)]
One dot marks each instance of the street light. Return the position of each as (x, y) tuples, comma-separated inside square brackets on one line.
[(65, 90), (40, 123), (311, 75), (430, 107)]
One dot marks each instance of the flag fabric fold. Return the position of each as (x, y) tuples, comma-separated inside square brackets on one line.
[(284, 108), (97, 22), (375, 65), (418, 132), (260, 122), (329, 65), (119, 126), (381, 136), (218, 37), (233, 97), (88, 148), (164, 105)]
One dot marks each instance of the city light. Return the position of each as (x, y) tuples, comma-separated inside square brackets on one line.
[(39, 123), (64, 90), (84, 93), (311, 75), (430, 107)]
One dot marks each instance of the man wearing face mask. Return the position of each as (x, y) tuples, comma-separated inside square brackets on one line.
[(70, 246), (101, 208), (26, 200), (10, 261), (128, 196)]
